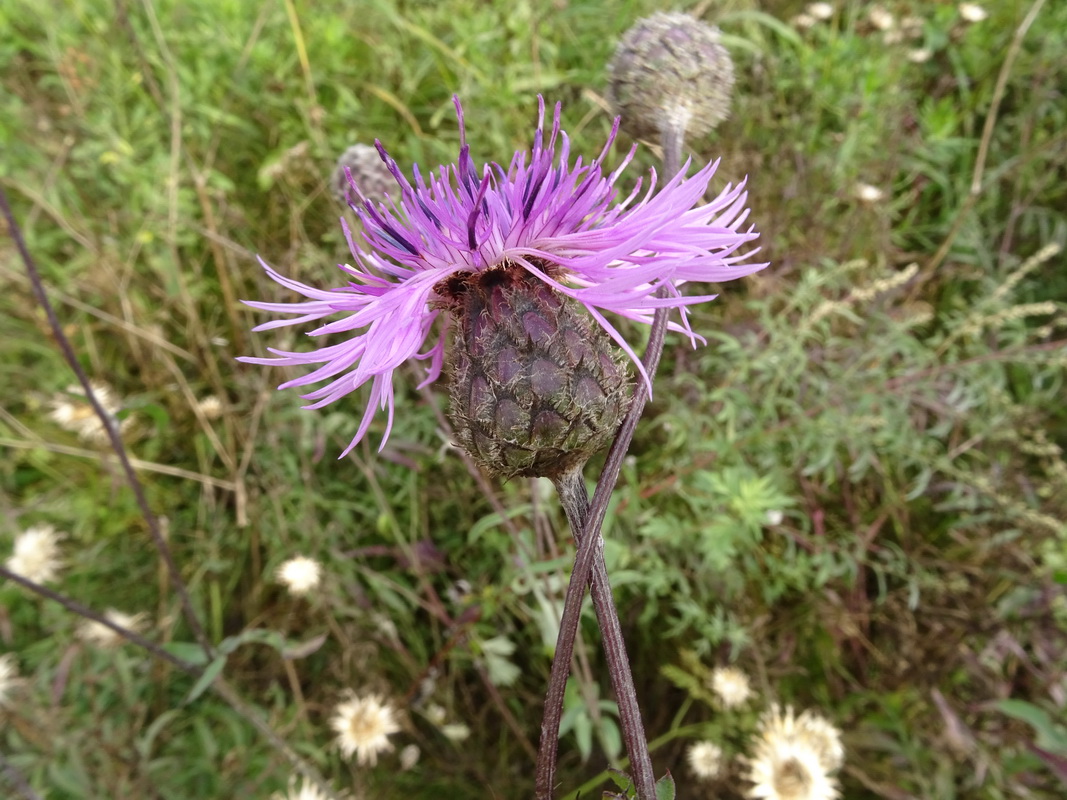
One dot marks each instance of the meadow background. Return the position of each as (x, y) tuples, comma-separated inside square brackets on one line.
[(856, 492)]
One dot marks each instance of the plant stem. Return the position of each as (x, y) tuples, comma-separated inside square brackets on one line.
[(575, 502), (67, 349), (589, 566)]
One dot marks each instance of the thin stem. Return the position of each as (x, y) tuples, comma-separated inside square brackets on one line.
[(672, 138), (112, 432), (575, 502), (219, 686)]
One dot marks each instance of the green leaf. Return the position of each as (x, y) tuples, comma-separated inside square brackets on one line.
[(206, 678), (189, 652), (665, 787), (1050, 736)]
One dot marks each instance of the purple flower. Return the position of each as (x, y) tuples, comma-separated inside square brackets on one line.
[(613, 254)]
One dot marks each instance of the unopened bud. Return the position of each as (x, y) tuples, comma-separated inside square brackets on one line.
[(368, 171), (670, 71), (537, 386)]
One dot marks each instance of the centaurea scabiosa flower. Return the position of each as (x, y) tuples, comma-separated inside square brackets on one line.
[(533, 254)]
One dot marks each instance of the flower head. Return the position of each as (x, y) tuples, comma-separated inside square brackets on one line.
[(36, 554), (299, 575), (100, 635), (363, 726), (564, 223), (306, 791), (72, 411), (731, 685), (705, 760), (972, 12), (794, 757)]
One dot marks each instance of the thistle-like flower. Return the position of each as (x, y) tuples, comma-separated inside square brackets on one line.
[(363, 726), (524, 261)]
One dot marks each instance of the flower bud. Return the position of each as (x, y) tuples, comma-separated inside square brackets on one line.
[(368, 170), (670, 71), (537, 386)]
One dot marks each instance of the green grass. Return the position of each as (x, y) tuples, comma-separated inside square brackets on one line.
[(909, 429)]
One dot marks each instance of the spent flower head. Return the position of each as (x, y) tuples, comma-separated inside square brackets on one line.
[(363, 726), (99, 635), (731, 685), (705, 760), (409, 757), (299, 575), (72, 411), (305, 791), (36, 554), (467, 241)]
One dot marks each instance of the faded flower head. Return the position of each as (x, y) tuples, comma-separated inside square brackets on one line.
[(820, 10), (211, 407), (530, 246), (409, 757), (456, 732), (731, 686), (305, 791), (670, 69), (72, 411), (363, 726), (299, 575), (868, 194), (99, 635), (972, 12), (793, 757), (9, 679), (36, 554), (704, 759)]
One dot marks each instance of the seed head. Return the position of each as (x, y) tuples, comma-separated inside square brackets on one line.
[(670, 69)]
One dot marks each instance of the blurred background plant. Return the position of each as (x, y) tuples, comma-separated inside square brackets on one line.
[(856, 492)]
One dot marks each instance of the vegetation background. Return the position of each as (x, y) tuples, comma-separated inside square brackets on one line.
[(856, 492)]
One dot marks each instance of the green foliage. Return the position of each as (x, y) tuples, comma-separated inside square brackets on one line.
[(856, 491)]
